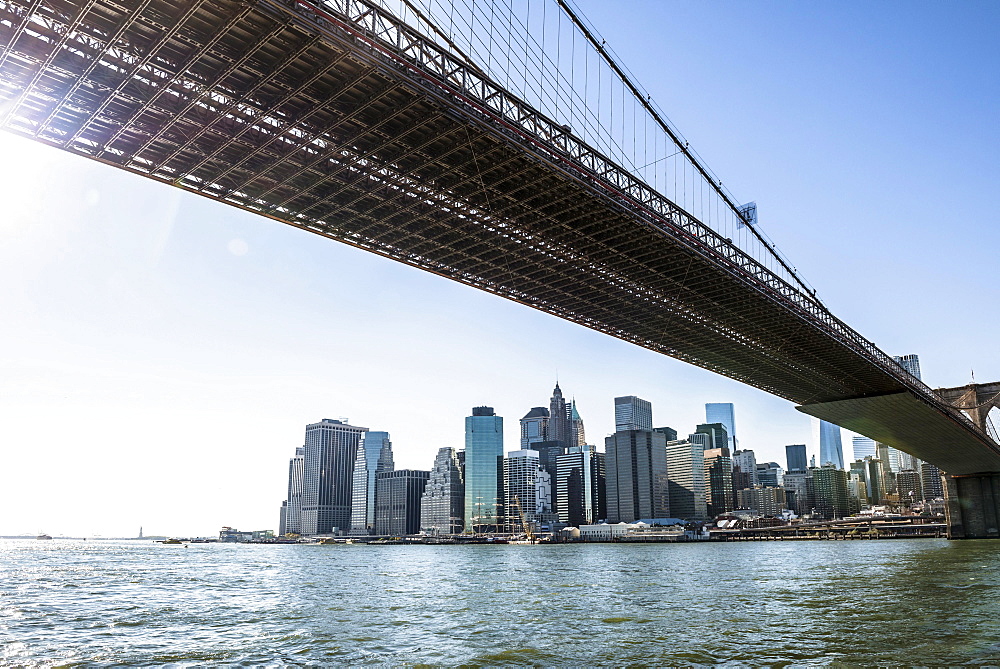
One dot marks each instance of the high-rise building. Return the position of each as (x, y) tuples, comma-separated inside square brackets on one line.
[(632, 413), (534, 426), (930, 479), (442, 508), (799, 485), (580, 493), (397, 501), (863, 448), (291, 517), (483, 471), (770, 474), (795, 457), (830, 448), (578, 436), (374, 455), (636, 464), (911, 363), (327, 475), (717, 435), (908, 487), (830, 489), (686, 474), (527, 490), (560, 426), (725, 414), (765, 501), (876, 481), (719, 480), (889, 457), (744, 470), (857, 487)]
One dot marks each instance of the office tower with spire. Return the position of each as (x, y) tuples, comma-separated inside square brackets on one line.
[(442, 509), (291, 509), (374, 456), (328, 475), (723, 413), (560, 428), (831, 449), (484, 471), (632, 413), (577, 435)]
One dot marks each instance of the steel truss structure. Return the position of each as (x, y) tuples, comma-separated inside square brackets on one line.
[(336, 117)]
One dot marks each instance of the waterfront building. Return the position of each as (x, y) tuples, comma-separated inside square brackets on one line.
[(719, 479), (795, 457), (908, 487), (397, 501), (830, 490), (930, 480), (527, 485), (723, 413), (863, 448), (483, 471), (331, 447), (744, 470), (632, 413), (830, 447), (290, 521), (636, 464), (686, 479), (374, 455), (534, 426), (799, 492), (580, 493), (442, 508), (766, 501), (770, 474)]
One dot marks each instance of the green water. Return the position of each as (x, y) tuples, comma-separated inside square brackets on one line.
[(923, 601)]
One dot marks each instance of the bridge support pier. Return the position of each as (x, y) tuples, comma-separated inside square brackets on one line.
[(972, 506)]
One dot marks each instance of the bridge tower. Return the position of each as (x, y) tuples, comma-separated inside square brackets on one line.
[(972, 501)]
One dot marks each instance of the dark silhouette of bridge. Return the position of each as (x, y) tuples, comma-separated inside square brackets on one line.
[(341, 118)]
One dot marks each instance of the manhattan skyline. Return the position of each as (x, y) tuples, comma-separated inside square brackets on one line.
[(161, 352)]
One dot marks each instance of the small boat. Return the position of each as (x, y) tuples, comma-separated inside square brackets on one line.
[(172, 541), (43, 536)]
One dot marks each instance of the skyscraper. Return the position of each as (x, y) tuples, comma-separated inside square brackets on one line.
[(327, 475), (636, 464), (830, 484), (723, 413), (397, 501), (744, 470), (580, 486), (930, 479), (719, 481), (442, 509), (560, 426), (717, 435), (527, 485), (769, 474), (292, 508), (795, 457), (899, 460), (830, 448), (911, 363), (632, 413), (863, 447), (483, 471), (534, 426), (686, 474), (374, 455), (578, 436)]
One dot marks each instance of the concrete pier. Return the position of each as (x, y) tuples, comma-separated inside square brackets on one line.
[(972, 506)]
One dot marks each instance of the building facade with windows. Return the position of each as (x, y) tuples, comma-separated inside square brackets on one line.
[(484, 503), (397, 501), (442, 509), (374, 456), (331, 447)]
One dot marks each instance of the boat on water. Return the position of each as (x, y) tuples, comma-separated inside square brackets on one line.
[(172, 541), (43, 536)]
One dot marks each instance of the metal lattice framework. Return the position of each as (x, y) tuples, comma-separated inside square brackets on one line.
[(342, 120)]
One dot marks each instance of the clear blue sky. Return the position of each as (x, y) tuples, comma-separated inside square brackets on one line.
[(160, 354)]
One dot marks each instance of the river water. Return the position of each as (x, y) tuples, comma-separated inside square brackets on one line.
[(921, 601)]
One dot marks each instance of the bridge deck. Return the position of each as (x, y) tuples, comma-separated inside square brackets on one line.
[(342, 123)]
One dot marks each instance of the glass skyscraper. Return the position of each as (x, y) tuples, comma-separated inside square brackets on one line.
[(327, 475), (534, 426), (374, 455), (863, 447), (483, 471), (795, 457), (723, 413), (291, 518), (830, 448)]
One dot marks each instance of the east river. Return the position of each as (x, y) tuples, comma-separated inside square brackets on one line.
[(925, 601)]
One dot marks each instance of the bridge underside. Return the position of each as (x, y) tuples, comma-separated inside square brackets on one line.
[(905, 422), (334, 123)]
